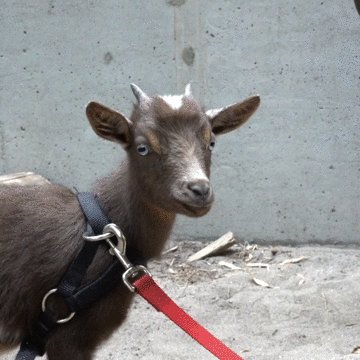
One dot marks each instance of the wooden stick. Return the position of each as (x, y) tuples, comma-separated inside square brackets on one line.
[(221, 244)]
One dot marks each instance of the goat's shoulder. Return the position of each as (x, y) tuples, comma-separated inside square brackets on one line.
[(39, 207), (20, 198)]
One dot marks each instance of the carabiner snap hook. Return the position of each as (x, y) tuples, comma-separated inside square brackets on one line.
[(118, 250), (116, 231)]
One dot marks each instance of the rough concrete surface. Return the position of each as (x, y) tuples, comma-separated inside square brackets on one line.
[(311, 311), (295, 165), (290, 175)]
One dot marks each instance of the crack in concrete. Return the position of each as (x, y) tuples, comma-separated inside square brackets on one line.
[(2, 148)]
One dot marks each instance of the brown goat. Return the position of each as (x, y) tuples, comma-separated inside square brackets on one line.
[(168, 141)]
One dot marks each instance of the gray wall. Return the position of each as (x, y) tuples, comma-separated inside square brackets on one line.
[(290, 175)]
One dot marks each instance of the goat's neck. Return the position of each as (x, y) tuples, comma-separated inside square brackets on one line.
[(145, 226)]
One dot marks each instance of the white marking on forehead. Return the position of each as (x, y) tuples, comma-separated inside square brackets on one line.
[(174, 101), (188, 90)]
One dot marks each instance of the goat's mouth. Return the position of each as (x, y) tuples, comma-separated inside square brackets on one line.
[(195, 210)]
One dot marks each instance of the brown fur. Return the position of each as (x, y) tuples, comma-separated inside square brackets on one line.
[(42, 226)]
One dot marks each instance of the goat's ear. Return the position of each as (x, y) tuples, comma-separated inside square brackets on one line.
[(108, 123), (233, 116)]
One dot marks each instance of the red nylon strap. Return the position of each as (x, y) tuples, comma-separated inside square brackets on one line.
[(152, 293)]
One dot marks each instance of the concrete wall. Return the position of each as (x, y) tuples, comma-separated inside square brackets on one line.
[(290, 175)]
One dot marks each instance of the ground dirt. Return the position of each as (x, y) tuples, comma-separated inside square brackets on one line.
[(278, 302)]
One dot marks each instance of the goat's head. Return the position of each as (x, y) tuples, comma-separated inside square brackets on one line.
[(169, 140)]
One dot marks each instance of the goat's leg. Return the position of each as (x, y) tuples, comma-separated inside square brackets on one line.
[(68, 343), (68, 351), (79, 339)]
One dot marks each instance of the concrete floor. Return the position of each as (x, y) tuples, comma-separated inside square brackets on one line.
[(311, 309)]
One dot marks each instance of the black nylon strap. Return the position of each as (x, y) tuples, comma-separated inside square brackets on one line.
[(77, 270), (27, 351), (77, 297), (92, 292), (93, 212), (35, 344)]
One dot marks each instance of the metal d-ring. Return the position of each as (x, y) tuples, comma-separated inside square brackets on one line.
[(109, 231), (94, 238), (43, 307)]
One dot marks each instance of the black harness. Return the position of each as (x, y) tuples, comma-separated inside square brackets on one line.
[(76, 295)]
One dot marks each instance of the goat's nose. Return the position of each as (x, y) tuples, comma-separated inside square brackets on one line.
[(199, 188)]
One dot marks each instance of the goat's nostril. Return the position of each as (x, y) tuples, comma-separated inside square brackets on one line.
[(199, 188)]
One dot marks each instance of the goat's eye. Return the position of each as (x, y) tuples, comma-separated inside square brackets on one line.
[(142, 149), (212, 145)]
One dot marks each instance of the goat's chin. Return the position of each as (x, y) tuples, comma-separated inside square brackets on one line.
[(199, 212)]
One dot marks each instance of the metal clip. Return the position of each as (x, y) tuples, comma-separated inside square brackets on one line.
[(119, 250), (109, 231), (133, 272)]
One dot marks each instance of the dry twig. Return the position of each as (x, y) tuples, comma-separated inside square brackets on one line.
[(221, 244), (293, 260), (229, 265), (170, 250)]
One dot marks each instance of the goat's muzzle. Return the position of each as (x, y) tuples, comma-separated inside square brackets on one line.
[(199, 190), (197, 197)]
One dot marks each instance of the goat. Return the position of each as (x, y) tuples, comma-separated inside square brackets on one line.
[(168, 142)]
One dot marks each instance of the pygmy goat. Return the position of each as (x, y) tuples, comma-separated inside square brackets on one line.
[(168, 141)]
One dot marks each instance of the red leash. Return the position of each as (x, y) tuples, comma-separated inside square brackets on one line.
[(152, 293)]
